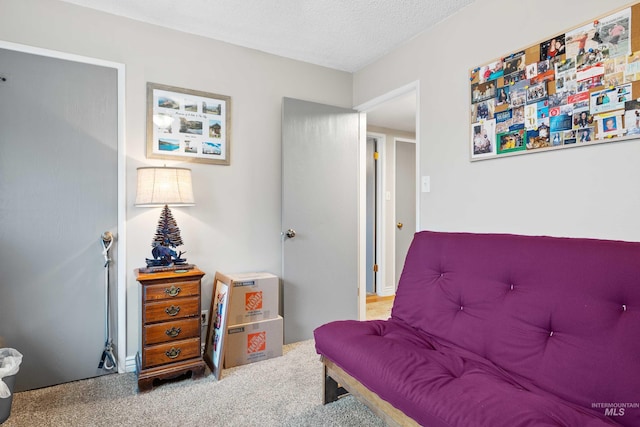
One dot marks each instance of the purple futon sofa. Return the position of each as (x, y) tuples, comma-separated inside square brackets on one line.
[(499, 330)]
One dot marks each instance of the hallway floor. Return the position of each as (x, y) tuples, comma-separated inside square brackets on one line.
[(379, 307)]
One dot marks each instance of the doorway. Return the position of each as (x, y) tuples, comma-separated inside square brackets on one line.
[(302, 122), (375, 143), (65, 164), (321, 195), (391, 123)]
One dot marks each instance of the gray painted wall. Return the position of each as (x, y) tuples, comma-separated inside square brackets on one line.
[(235, 225), (585, 191)]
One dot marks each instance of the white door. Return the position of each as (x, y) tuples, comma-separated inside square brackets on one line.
[(58, 194), (405, 201), (372, 191), (320, 155)]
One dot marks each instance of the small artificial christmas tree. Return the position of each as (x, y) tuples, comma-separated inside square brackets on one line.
[(167, 237)]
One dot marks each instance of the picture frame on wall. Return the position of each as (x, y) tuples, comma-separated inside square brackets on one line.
[(188, 125)]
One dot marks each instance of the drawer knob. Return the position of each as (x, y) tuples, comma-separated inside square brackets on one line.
[(173, 353), (172, 291), (173, 332), (172, 311)]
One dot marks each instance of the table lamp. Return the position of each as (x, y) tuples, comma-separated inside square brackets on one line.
[(163, 186)]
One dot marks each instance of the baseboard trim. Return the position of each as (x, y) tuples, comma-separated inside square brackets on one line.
[(386, 292)]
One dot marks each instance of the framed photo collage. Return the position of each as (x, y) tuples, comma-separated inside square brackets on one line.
[(576, 88)]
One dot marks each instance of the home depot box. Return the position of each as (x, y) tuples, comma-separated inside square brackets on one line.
[(252, 342), (254, 297)]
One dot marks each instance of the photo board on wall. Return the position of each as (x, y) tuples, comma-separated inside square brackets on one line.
[(576, 88)]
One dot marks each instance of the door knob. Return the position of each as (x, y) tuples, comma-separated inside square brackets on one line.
[(290, 233), (399, 225)]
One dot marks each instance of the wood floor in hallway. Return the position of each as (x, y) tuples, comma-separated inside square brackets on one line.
[(379, 307)]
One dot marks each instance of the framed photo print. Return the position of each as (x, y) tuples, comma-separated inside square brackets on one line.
[(611, 124), (511, 141), (188, 125), (216, 331), (484, 137)]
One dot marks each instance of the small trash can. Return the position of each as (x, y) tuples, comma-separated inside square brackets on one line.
[(10, 360)]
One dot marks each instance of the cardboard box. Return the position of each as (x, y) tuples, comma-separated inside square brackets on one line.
[(252, 342), (254, 297)]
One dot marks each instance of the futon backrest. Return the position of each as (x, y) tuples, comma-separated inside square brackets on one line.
[(563, 313)]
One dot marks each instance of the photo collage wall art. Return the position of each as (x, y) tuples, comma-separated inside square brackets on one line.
[(572, 89), (187, 125)]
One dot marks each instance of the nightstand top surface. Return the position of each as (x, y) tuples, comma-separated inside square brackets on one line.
[(168, 274)]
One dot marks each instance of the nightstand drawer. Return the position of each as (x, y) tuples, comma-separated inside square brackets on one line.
[(187, 288), (170, 352), (171, 331), (163, 310)]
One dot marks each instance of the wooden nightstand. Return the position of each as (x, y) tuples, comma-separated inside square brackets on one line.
[(170, 327)]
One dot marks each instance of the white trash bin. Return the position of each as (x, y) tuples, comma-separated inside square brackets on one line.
[(10, 360)]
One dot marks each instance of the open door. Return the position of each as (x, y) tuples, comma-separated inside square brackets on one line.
[(59, 195), (405, 202), (320, 207)]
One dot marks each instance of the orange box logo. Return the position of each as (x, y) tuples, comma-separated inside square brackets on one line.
[(253, 301), (256, 342)]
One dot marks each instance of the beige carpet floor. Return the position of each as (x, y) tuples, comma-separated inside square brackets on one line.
[(284, 391)]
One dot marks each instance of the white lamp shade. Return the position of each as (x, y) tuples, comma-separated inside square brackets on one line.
[(159, 186)]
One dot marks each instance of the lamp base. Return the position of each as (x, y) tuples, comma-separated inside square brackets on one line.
[(163, 268)]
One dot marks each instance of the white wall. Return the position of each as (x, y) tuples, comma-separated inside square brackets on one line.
[(235, 225), (588, 191)]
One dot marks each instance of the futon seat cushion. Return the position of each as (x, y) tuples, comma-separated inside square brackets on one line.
[(439, 384)]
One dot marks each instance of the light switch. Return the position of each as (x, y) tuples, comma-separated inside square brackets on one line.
[(388, 195), (426, 184)]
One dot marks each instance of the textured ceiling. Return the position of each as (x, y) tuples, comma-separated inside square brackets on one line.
[(341, 34)]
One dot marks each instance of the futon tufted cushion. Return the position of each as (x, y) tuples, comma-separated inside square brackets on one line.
[(563, 313), (439, 385), (539, 330)]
